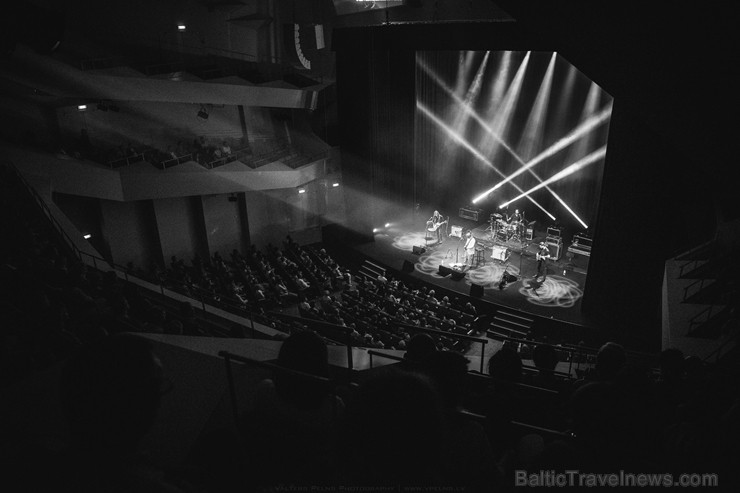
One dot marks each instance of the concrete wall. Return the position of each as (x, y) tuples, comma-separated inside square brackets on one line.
[(130, 231), (180, 228), (225, 224)]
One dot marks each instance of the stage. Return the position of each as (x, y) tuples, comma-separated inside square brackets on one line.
[(558, 296)]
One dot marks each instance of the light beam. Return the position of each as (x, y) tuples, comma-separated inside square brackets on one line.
[(475, 152), (577, 166)]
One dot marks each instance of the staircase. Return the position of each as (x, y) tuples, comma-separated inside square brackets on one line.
[(697, 289), (371, 271), (508, 324)]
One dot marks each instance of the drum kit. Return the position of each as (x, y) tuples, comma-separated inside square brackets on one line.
[(505, 231)]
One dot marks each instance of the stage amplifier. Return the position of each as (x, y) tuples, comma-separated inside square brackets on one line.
[(470, 213), (456, 231), (499, 253), (554, 232), (555, 245)]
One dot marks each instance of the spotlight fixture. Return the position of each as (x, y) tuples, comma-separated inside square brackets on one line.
[(335, 185), (387, 225), (301, 190), (181, 28), (81, 107), (87, 236)]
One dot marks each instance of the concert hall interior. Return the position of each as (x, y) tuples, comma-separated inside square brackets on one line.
[(252, 245)]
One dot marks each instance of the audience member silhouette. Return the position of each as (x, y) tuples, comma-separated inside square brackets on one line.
[(610, 360), (418, 347), (290, 432), (467, 458), (390, 433), (110, 394)]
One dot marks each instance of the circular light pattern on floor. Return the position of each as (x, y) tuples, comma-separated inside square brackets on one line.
[(489, 275), (408, 241), (556, 292), (429, 263)]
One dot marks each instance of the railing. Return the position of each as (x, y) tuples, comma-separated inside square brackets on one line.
[(452, 335), (694, 263), (346, 332), (571, 351), (238, 155), (128, 160), (700, 282), (176, 160), (703, 316), (228, 357)]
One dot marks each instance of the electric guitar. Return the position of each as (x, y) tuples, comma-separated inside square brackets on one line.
[(435, 226), (540, 256)]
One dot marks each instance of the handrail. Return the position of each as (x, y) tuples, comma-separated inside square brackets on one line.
[(347, 332), (234, 156), (177, 160), (681, 269), (555, 433), (229, 357), (708, 310), (698, 281), (372, 352), (453, 335), (471, 373), (127, 160)]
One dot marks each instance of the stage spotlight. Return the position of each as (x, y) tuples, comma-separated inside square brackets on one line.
[(181, 28), (375, 230), (387, 225), (81, 107), (87, 236), (301, 190), (335, 185)]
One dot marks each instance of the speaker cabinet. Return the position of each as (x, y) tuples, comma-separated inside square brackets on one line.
[(555, 248), (444, 270), (418, 250), (476, 290), (407, 267), (456, 275)]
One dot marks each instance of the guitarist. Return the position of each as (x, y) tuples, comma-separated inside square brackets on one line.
[(436, 222), (542, 255)]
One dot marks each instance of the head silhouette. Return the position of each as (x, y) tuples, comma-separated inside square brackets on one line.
[(306, 352)]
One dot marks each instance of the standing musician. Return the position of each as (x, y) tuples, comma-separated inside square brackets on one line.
[(435, 224), (469, 248), (542, 255)]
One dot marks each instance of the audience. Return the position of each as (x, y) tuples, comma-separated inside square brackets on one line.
[(408, 426)]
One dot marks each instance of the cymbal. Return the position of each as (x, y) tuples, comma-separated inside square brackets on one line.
[(497, 215)]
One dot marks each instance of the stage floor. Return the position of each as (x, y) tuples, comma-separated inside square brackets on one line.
[(558, 296)]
